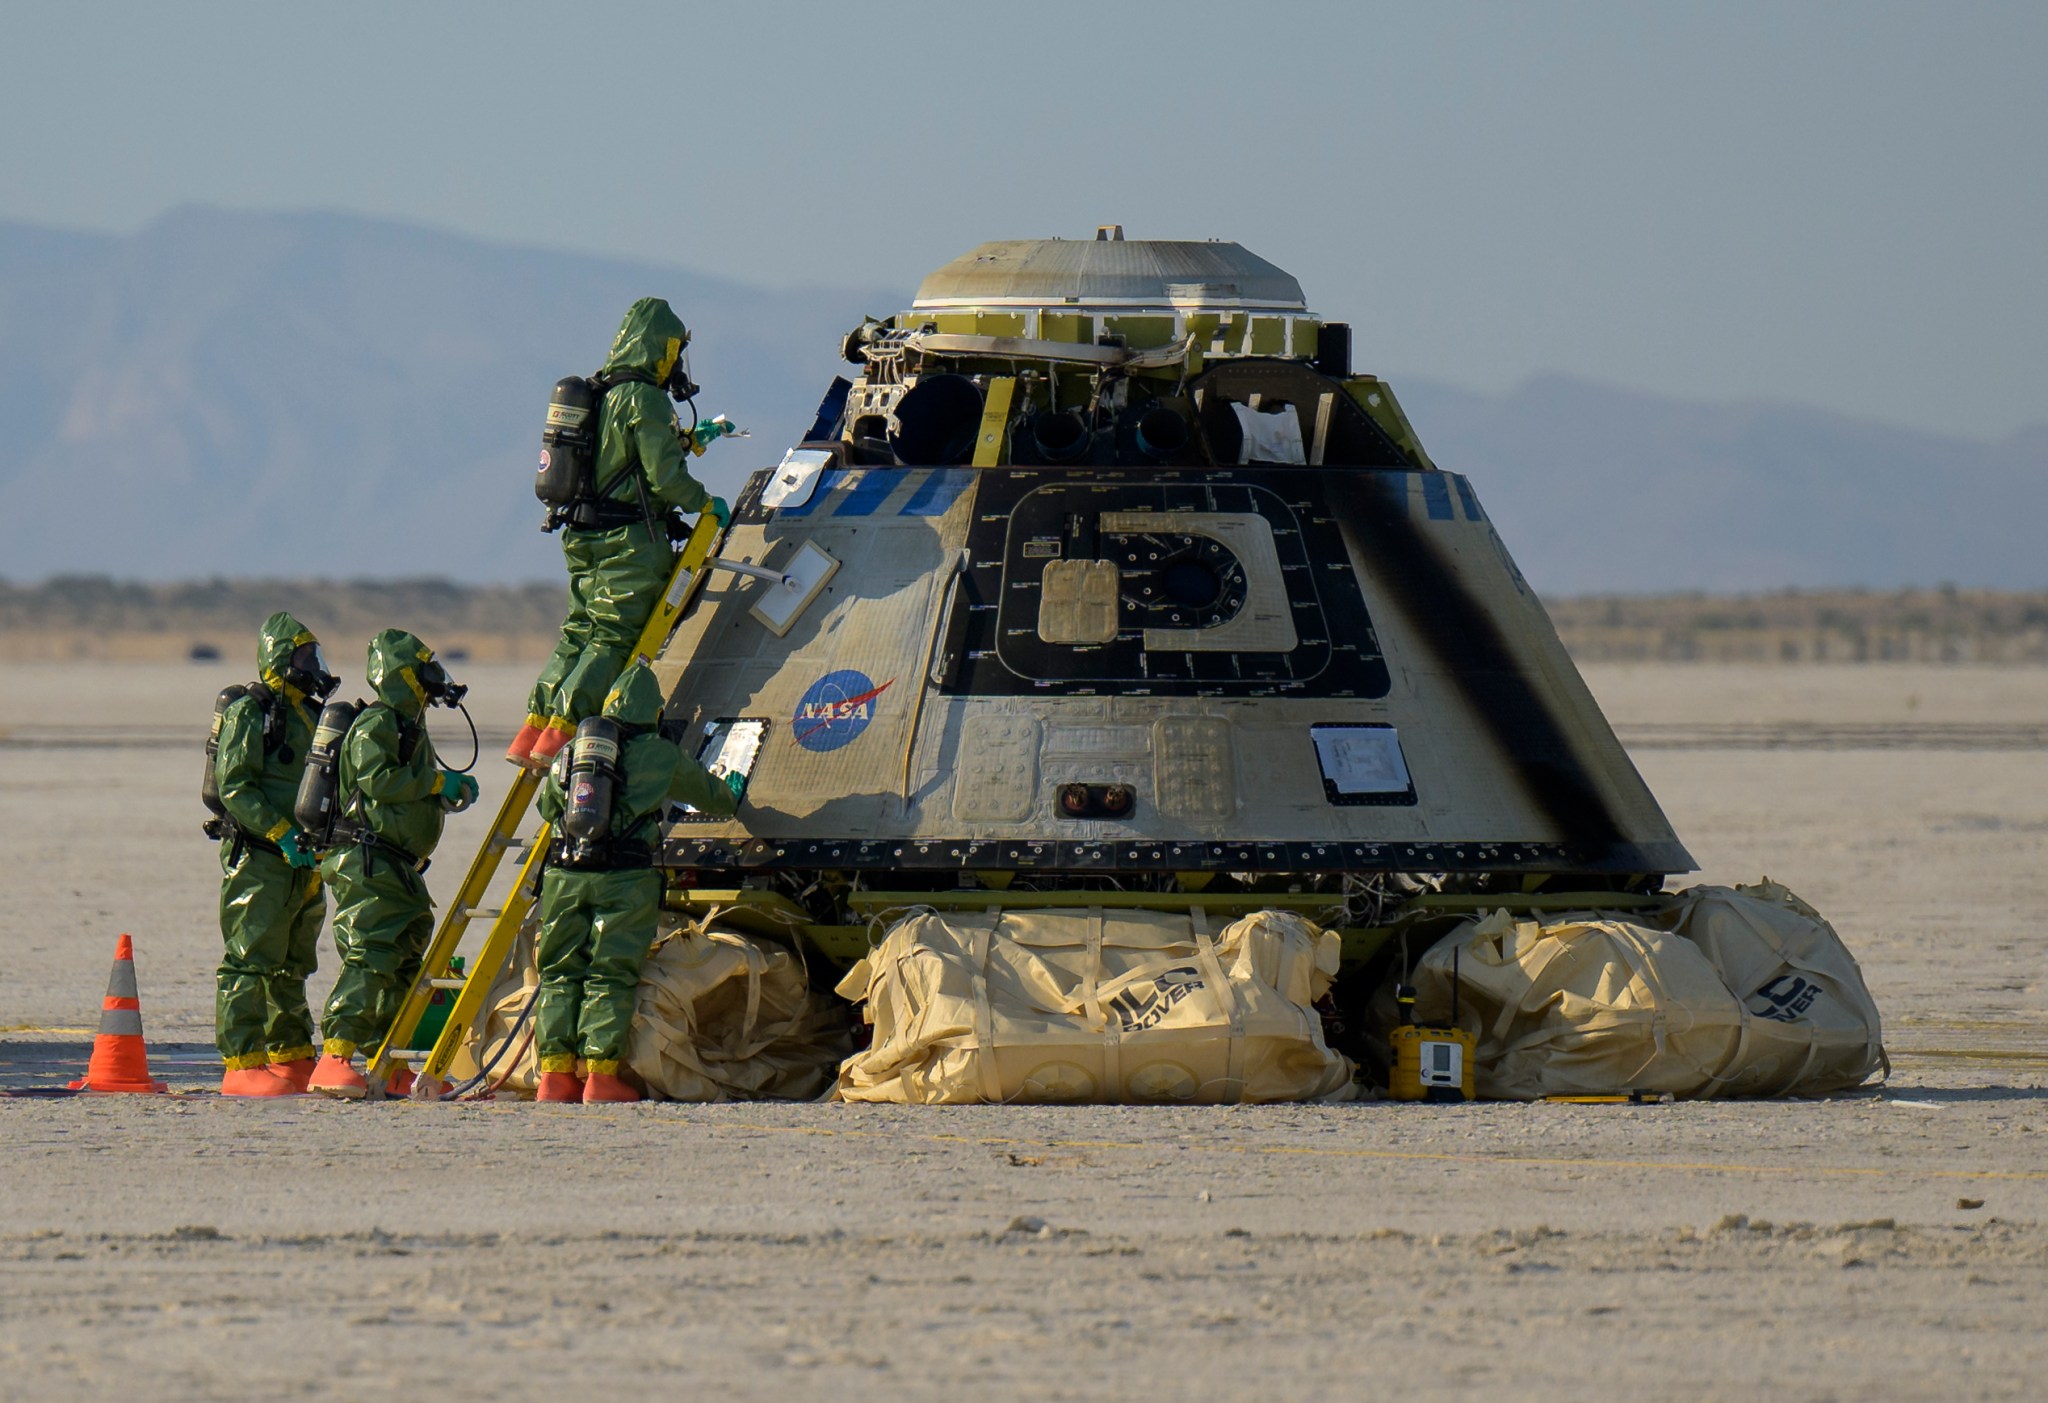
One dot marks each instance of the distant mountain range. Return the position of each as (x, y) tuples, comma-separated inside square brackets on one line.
[(316, 394), (229, 394), (1597, 489)]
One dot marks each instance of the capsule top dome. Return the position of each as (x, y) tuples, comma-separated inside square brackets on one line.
[(1110, 272)]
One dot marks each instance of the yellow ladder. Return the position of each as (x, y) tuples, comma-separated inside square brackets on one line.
[(474, 983)]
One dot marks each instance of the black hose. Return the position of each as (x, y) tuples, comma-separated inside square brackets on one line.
[(476, 749), (511, 1038)]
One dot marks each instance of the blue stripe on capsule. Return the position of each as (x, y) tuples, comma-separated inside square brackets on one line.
[(942, 487), (827, 481), (868, 494), (1471, 501), (1437, 497)]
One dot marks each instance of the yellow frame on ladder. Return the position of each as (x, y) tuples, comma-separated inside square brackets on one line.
[(478, 977)]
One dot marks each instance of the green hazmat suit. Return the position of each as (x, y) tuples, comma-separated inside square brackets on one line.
[(389, 781), (270, 911), (616, 576), (597, 922)]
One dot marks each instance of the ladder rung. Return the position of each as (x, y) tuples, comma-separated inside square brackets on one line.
[(408, 1054), (480, 913), (453, 981), (515, 845)]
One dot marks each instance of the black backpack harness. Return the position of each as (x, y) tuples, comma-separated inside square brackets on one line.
[(599, 511), (276, 744)]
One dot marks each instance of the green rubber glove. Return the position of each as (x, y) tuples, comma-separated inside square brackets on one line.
[(737, 783), (720, 511), (297, 849), (461, 788), (709, 431)]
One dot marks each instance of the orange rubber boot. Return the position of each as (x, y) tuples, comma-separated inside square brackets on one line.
[(298, 1071), (522, 744), (400, 1084), (334, 1075), (550, 744), (559, 1086), (254, 1081), (604, 1086)]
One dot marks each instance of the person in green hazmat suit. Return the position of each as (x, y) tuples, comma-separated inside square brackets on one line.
[(394, 795), (599, 897), (617, 548), (271, 903)]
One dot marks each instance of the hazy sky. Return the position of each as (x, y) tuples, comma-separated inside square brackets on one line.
[(1840, 204)]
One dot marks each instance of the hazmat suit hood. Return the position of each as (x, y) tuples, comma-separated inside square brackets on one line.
[(650, 339), (393, 671), (635, 699), (282, 636)]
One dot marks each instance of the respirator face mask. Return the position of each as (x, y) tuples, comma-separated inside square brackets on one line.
[(441, 690), (679, 384), (307, 670)]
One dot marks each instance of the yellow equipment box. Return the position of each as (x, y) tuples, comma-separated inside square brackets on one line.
[(1431, 1064)]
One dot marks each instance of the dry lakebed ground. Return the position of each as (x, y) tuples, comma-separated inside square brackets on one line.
[(1887, 1244)]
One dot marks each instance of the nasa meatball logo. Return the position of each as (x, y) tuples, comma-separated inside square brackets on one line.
[(835, 709), (545, 459)]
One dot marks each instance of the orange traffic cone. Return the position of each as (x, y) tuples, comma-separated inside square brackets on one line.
[(120, 1062)]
